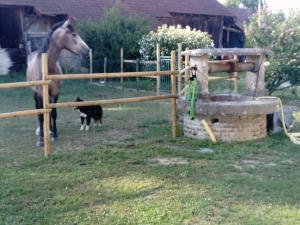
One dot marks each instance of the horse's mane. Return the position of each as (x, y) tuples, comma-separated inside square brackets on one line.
[(48, 40)]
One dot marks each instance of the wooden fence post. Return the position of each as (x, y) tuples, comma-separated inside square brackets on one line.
[(158, 69), (47, 147), (91, 62), (122, 65), (187, 64), (236, 81), (137, 78), (174, 107), (179, 67), (105, 69)]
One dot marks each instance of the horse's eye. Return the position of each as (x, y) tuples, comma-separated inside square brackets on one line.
[(74, 34)]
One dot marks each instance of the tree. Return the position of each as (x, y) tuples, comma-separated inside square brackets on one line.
[(251, 4), (280, 34), (113, 31), (169, 36)]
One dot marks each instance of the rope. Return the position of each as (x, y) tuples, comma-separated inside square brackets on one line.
[(192, 94), (294, 137)]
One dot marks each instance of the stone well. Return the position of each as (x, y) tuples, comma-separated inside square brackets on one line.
[(232, 118)]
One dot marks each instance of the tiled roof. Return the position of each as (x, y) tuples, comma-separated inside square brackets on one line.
[(82, 9)]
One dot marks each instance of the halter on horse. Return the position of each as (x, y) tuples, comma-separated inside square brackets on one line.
[(62, 36)]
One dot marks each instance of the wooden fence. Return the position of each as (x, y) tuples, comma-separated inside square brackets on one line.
[(47, 106)]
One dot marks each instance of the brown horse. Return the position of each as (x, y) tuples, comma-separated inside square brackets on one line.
[(62, 36)]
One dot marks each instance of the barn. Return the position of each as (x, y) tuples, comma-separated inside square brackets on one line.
[(24, 24)]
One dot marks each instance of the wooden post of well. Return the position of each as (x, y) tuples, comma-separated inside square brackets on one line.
[(158, 68), (187, 64), (174, 107), (179, 67), (122, 65), (47, 147), (91, 62)]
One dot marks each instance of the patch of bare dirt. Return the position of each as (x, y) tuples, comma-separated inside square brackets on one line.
[(169, 161)]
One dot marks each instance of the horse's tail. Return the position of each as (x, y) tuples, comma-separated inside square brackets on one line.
[(5, 61), (12, 59)]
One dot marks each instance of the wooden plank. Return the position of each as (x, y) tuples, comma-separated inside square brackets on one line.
[(110, 101), (23, 113), (231, 67), (107, 75), (23, 84)]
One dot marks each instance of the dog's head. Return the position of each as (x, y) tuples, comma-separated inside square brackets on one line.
[(78, 99)]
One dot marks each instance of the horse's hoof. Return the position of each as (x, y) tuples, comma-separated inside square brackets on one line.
[(40, 144), (37, 131), (54, 139)]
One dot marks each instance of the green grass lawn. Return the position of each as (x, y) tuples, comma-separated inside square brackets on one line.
[(130, 171)]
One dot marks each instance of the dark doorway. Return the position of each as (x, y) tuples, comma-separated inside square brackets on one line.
[(10, 28)]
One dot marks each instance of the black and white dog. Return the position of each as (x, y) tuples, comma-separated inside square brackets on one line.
[(88, 113)]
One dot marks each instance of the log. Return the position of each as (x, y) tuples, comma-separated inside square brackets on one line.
[(110, 101), (107, 75)]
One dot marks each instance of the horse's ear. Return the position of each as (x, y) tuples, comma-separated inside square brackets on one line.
[(67, 23)]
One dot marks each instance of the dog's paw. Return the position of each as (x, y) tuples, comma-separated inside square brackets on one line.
[(82, 128), (87, 128)]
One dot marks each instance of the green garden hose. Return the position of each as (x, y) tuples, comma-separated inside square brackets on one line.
[(192, 95)]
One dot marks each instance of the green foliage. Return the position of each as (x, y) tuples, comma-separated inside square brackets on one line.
[(113, 31), (169, 36), (281, 35)]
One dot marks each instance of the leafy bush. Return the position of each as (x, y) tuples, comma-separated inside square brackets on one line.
[(281, 35), (112, 32), (169, 37)]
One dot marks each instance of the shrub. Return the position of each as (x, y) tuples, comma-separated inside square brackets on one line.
[(113, 31), (169, 36), (281, 35)]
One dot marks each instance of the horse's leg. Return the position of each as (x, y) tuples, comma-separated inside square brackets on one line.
[(53, 121), (39, 105)]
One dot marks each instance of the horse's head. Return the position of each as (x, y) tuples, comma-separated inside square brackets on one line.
[(65, 37)]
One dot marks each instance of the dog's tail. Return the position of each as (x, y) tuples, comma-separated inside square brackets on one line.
[(5, 62)]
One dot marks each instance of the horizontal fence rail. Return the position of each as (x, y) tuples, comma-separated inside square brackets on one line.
[(24, 113), (23, 84), (110, 101), (107, 75)]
